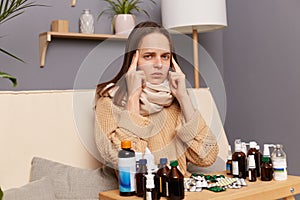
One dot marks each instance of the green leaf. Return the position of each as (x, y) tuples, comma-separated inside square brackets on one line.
[(124, 7), (9, 54), (11, 78)]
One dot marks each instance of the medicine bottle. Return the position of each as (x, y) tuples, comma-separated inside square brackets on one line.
[(279, 163), (140, 177), (266, 167), (175, 182), (127, 169), (253, 151), (150, 192), (238, 161), (251, 168), (229, 162), (162, 173)]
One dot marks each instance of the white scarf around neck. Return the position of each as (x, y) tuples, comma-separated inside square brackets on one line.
[(153, 98)]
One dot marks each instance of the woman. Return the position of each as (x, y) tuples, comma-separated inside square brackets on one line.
[(147, 103)]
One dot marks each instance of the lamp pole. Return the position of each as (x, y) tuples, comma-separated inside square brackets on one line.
[(196, 58)]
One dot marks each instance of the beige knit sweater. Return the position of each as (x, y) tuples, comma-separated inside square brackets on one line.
[(164, 133)]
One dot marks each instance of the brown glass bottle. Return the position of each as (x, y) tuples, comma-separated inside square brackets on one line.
[(140, 178), (253, 151), (162, 173), (239, 162), (266, 169), (175, 182)]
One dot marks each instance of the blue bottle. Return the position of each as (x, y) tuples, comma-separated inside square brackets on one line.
[(127, 169)]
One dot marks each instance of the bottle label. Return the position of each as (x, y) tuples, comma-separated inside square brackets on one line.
[(167, 189), (279, 167), (148, 195), (228, 168), (235, 168), (127, 167)]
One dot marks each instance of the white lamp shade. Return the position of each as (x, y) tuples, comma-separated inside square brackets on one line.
[(186, 15)]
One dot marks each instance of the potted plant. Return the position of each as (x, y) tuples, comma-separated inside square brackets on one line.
[(10, 9), (123, 12)]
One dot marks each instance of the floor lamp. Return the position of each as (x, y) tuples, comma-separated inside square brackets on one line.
[(193, 17)]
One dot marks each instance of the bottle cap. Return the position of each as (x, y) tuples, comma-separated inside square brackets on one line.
[(143, 161), (173, 163), (149, 180), (163, 161), (265, 159), (251, 161), (238, 145), (257, 147), (126, 144), (252, 144)]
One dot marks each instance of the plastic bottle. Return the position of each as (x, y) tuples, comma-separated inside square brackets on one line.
[(140, 178), (229, 162), (253, 151), (162, 173), (279, 163), (252, 168), (238, 161), (175, 182), (266, 165), (127, 169), (150, 192), (150, 159)]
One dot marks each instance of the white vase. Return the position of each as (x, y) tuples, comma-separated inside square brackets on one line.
[(86, 22), (123, 24)]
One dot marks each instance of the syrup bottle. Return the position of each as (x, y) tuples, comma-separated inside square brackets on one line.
[(162, 173), (140, 178), (175, 182), (253, 151), (251, 168), (238, 161), (127, 169), (150, 191), (266, 165)]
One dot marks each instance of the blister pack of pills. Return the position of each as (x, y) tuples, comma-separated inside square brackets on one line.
[(215, 183)]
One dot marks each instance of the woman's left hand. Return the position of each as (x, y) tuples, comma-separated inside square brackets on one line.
[(177, 82), (178, 89)]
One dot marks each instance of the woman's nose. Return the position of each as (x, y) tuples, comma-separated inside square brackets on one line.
[(158, 62)]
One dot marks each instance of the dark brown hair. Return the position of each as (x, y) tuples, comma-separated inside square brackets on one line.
[(134, 39)]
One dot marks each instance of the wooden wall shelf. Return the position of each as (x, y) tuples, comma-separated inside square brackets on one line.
[(46, 37)]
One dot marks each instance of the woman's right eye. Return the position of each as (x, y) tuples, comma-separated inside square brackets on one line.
[(148, 56)]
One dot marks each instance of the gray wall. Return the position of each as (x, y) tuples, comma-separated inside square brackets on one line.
[(258, 55), (261, 73), (64, 57)]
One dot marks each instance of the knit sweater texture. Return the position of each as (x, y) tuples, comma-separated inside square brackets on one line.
[(165, 133)]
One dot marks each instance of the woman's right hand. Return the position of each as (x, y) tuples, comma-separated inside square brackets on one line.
[(136, 81)]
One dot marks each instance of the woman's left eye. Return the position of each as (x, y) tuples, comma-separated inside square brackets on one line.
[(166, 57)]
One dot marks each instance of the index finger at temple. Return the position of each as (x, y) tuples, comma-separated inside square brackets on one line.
[(176, 66), (134, 61)]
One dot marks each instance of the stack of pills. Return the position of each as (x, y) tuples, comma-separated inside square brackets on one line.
[(216, 183)]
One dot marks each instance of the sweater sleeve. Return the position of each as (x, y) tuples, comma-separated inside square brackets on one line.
[(112, 125), (202, 147)]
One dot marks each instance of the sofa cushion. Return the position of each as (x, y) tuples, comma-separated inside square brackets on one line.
[(41, 189), (72, 182)]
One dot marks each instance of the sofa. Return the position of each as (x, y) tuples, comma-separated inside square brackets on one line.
[(48, 134)]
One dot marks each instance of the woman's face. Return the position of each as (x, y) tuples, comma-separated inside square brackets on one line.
[(154, 57)]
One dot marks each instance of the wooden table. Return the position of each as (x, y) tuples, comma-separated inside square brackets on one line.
[(253, 191)]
